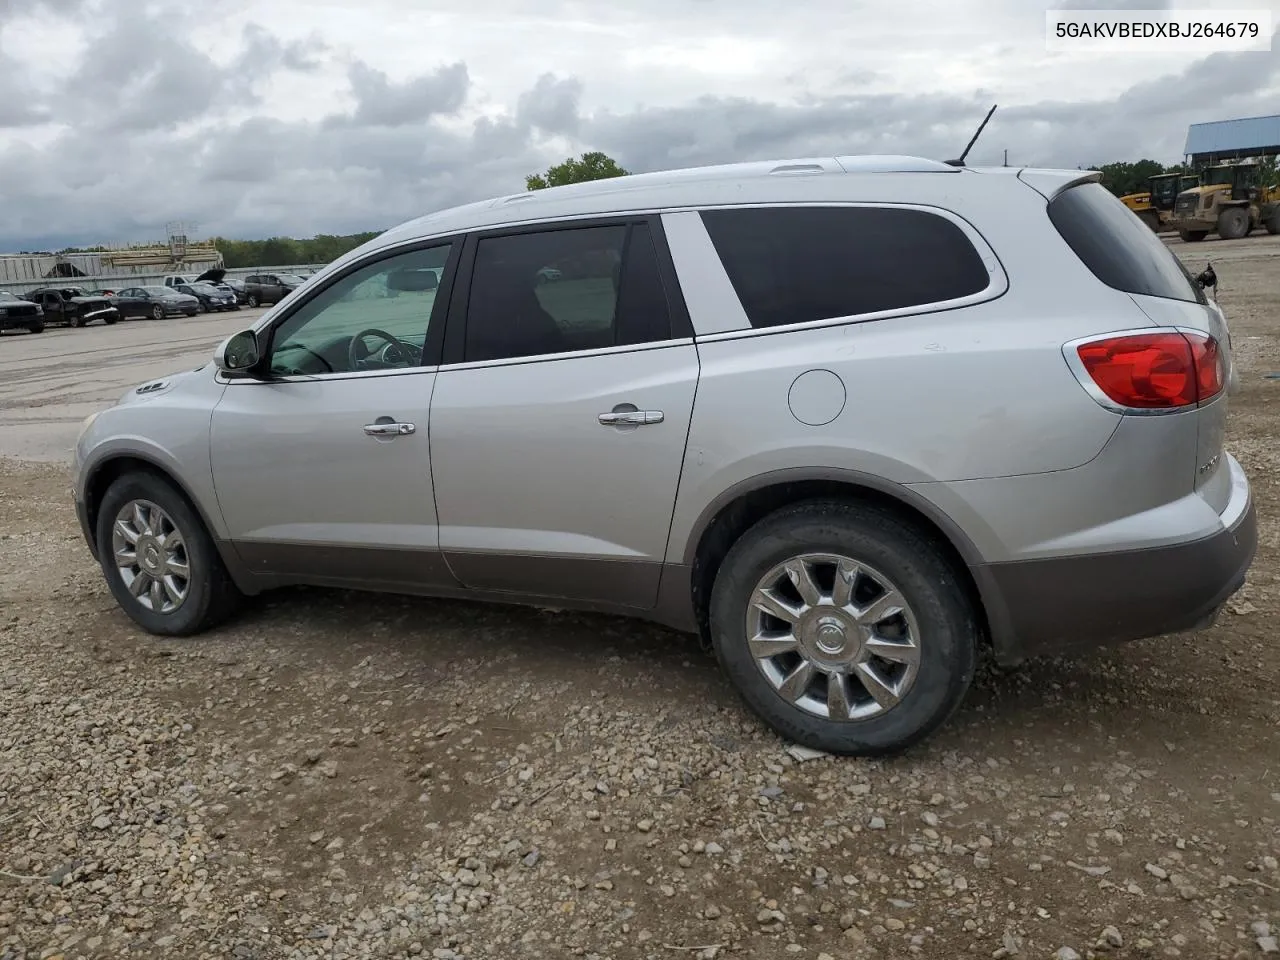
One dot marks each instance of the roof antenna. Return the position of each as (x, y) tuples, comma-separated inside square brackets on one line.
[(959, 161)]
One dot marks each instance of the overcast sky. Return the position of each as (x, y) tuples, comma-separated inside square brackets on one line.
[(253, 118)]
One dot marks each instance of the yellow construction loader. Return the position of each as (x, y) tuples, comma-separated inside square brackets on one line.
[(1154, 206), (1228, 201)]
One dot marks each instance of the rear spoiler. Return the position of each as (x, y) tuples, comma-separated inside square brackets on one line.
[(1050, 183)]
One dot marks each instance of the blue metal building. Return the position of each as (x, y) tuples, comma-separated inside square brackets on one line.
[(1233, 139)]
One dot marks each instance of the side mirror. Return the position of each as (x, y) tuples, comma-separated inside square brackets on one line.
[(238, 353), (1208, 278)]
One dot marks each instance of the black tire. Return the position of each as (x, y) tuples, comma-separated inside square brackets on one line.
[(1192, 236), (75, 323), (1233, 223), (211, 598), (203, 308), (1272, 223), (110, 321), (157, 312), (922, 574), (253, 301), (1150, 218), (36, 326)]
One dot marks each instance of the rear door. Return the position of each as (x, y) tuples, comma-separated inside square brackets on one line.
[(560, 415)]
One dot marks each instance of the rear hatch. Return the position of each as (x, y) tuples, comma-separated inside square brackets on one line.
[(1123, 253)]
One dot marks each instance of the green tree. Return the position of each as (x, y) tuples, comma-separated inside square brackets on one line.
[(1124, 177), (281, 251), (593, 165)]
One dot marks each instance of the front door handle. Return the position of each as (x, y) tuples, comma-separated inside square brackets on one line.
[(631, 418), (388, 428)]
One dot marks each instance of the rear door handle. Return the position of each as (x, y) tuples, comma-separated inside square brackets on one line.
[(389, 429), (637, 418)]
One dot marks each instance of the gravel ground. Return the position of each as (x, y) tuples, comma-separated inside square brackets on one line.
[(339, 775)]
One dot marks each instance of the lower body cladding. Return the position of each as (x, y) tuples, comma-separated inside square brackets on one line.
[(1196, 556), (1038, 607)]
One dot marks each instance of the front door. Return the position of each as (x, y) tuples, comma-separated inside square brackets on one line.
[(323, 472), (52, 306), (558, 436)]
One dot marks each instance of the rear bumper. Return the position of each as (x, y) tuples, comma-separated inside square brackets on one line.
[(1073, 604)]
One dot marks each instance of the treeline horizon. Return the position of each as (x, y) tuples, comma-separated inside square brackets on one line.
[(1120, 177)]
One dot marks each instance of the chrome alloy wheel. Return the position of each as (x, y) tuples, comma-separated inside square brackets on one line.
[(833, 637), (151, 556)]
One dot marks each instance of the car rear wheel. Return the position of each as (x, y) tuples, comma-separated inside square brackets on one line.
[(1192, 236), (844, 628), (160, 562), (157, 313)]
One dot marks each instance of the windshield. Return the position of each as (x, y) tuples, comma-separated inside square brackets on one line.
[(1217, 175), (161, 291), (204, 287), (7, 296)]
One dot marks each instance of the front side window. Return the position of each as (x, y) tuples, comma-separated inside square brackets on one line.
[(374, 318), (801, 264), (559, 291)]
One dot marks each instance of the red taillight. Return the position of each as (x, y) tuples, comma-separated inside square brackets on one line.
[(1155, 370)]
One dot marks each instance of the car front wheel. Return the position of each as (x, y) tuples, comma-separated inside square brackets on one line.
[(844, 627), (160, 562), (157, 312)]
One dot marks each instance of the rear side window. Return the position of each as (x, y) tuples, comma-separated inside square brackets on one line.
[(1117, 247), (799, 264)]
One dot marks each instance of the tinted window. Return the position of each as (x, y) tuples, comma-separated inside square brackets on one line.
[(799, 264), (1119, 248), (330, 332), (563, 290)]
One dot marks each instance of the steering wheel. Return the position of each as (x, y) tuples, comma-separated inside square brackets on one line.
[(395, 352)]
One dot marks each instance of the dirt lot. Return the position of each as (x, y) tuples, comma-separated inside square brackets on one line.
[(338, 775)]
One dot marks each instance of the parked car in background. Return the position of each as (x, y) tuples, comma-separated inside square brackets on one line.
[(19, 314), (73, 306), (237, 287), (156, 302), (267, 288), (211, 297), (179, 279)]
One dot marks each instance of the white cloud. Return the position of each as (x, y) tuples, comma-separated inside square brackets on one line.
[(251, 118)]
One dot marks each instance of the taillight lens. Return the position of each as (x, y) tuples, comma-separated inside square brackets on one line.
[(1155, 370)]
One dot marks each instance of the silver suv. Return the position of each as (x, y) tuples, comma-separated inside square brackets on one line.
[(847, 418)]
